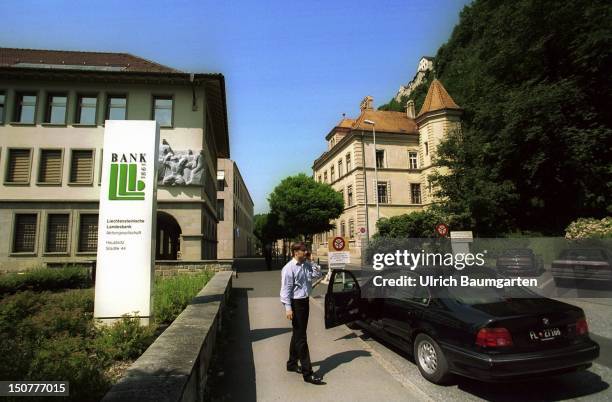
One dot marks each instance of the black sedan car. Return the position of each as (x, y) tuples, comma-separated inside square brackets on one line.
[(519, 261), (485, 334)]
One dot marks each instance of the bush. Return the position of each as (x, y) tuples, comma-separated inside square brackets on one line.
[(125, 339), (41, 279), (73, 359), (589, 228), (173, 294), (420, 224)]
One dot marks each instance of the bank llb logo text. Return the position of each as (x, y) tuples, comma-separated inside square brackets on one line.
[(124, 181)]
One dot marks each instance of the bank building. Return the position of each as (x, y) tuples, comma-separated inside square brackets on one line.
[(391, 178), (53, 105)]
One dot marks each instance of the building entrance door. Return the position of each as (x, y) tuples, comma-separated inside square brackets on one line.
[(168, 237)]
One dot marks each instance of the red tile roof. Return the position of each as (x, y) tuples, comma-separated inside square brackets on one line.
[(437, 98), (64, 59)]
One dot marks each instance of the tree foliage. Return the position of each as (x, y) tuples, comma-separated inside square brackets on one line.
[(419, 224), (537, 141), (304, 206), (533, 78)]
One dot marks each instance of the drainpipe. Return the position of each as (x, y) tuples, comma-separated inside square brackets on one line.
[(365, 185)]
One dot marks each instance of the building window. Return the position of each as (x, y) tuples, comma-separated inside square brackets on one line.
[(415, 193), (50, 166), (342, 229), (162, 110), (412, 159), (325, 176), (81, 167), (332, 174), (116, 107), (351, 228), (380, 158), (349, 195), (2, 103), (24, 233), (56, 109), (86, 109), (25, 108), (426, 148), (348, 163), (220, 209), (429, 185), (340, 168), (382, 193), (57, 233), (88, 233), (18, 167), (319, 178)]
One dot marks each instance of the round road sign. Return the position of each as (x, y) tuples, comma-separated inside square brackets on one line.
[(442, 229), (362, 230), (338, 243)]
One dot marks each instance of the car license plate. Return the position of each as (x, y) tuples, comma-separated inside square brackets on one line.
[(545, 334)]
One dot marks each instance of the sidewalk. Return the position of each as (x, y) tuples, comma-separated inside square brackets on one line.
[(257, 349)]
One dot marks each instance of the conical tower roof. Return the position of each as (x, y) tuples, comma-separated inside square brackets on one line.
[(437, 99)]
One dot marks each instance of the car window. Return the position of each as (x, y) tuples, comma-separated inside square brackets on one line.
[(583, 254), (418, 294)]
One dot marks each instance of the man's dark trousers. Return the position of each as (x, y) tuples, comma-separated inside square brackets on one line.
[(298, 348)]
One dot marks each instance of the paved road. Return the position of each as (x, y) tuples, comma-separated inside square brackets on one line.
[(253, 364), (359, 367)]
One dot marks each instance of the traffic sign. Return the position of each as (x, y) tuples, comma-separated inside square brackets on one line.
[(338, 258), (362, 230), (337, 243), (442, 229)]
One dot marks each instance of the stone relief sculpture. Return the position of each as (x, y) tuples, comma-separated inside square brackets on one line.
[(180, 168)]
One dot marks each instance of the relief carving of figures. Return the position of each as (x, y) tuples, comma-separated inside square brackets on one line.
[(180, 168)]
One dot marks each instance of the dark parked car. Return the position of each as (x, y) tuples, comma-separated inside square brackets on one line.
[(486, 334), (594, 264), (519, 262)]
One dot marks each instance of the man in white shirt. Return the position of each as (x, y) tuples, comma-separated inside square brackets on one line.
[(296, 285)]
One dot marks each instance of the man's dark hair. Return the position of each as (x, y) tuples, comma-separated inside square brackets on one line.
[(298, 246)]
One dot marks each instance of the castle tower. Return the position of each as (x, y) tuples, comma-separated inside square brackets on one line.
[(438, 116)]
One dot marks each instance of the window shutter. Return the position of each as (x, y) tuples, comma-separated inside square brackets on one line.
[(18, 166), (88, 233), (50, 166), (388, 192), (57, 233), (81, 169), (25, 233)]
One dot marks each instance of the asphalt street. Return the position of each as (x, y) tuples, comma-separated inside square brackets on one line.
[(359, 367)]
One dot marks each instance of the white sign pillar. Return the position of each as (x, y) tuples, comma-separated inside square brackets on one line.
[(127, 220)]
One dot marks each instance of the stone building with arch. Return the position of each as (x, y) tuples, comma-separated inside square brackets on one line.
[(53, 105)]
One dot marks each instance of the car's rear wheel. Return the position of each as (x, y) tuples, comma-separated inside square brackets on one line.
[(430, 359)]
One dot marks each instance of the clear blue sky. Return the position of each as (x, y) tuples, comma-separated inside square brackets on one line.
[(291, 67)]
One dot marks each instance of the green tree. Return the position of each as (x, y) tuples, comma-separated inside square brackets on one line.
[(536, 148), (305, 207)]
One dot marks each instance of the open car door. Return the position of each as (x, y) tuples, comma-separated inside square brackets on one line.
[(342, 299)]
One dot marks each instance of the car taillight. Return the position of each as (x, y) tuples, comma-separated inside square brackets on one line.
[(582, 328), (493, 337)]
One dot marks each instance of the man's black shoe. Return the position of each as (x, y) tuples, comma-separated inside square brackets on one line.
[(314, 379), (295, 369)]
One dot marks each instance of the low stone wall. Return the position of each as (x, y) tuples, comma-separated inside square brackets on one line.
[(174, 267), (174, 368)]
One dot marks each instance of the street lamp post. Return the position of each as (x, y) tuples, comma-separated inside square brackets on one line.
[(375, 169)]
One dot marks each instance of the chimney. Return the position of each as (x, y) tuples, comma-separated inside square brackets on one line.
[(366, 103), (410, 109)]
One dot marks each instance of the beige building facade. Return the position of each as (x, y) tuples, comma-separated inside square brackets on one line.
[(235, 212), (390, 178), (53, 105)]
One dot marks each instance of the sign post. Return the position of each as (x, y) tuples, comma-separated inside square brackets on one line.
[(338, 255), (127, 218)]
